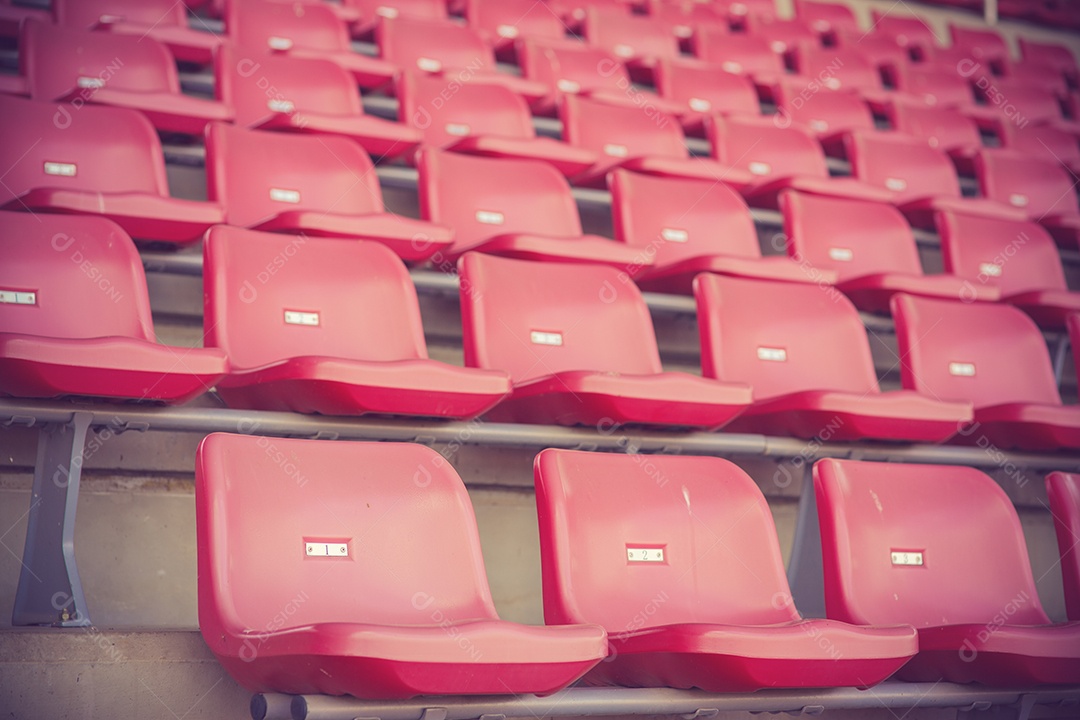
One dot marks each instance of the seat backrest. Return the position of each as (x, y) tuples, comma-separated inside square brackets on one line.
[(765, 150), (742, 54), (937, 88), (485, 197), (533, 319), (571, 67), (629, 36), (926, 545), (371, 10), (256, 175), (852, 237), (512, 19), (285, 26), (96, 13), (881, 50), (93, 149), (838, 68), (1049, 54), (475, 109), (325, 297), (909, 30), (705, 88), (971, 351), (1046, 141), (433, 46), (782, 338), (73, 63), (630, 544), (942, 128), (293, 533), (1027, 102), (256, 84), (902, 164), (982, 43), (620, 131), (826, 16), (71, 276), (672, 219), (1063, 489), (1036, 185), (1014, 256), (823, 111)]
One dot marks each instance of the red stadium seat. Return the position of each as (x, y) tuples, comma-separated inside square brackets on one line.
[(1038, 188), (12, 17), (742, 54), (971, 352), (309, 95), (982, 44), (502, 22), (94, 160), (1050, 55), (805, 352), (1045, 141), (578, 343), (454, 52), (1018, 258), (75, 317), (871, 249), (838, 68), (906, 543), (827, 113), (517, 208), (687, 227), (934, 87), (335, 330), (322, 186), (910, 31), (165, 21), (641, 139), (637, 41), (778, 155), (1063, 489), (783, 35), (303, 29), (356, 568), (826, 18), (943, 128), (685, 19), (703, 89), (482, 119), (1017, 102), (921, 179), (371, 12), (620, 538), (80, 66), (881, 50)]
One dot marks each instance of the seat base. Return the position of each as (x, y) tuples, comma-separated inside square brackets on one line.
[(380, 138), (766, 194), (1025, 426), (412, 240), (591, 249), (567, 159), (691, 168), (1048, 308), (678, 278), (872, 292), (168, 112), (920, 211)]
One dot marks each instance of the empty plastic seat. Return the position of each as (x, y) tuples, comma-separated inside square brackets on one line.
[(94, 160), (303, 29), (1018, 258), (502, 22), (783, 35), (778, 155), (827, 113), (1006, 101), (80, 66), (685, 19), (1050, 55), (371, 12), (373, 552), (826, 18), (871, 249), (687, 227), (943, 128), (1038, 188), (921, 179), (641, 139), (336, 330), (1063, 489), (993, 356), (517, 208), (910, 31), (165, 21), (636, 40), (982, 44), (805, 352), (742, 54), (882, 51), (482, 119), (578, 343), (309, 95), (75, 317), (454, 52), (314, 185), (704, 89), (838, 68), (934, 87), (939, 547), (12, 17), (634, 547)]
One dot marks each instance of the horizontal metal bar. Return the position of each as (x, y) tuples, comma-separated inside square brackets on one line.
[(15, 411)]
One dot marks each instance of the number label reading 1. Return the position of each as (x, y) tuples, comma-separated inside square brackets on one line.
[(901, 557), (645, 555), (320, 549)]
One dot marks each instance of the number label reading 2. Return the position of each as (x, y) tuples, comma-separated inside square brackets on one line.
[(645, 554)]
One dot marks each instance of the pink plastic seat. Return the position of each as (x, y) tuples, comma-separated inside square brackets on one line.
[(1051, 55), (165, 21), (1045, 141), (95, 160), (516, 208), (12, 17), (783, 35), (482, 119), (1063, 490), (687, 227), (336, 331), (304, 29), (75, 317), (80, 66), (838, 68), (451, 51), (1018, 258), (355, 568), (871, 249), (1039, 189), (741, 54), (910, 31), (310, 95), (704, 89), (827, 113), (779, 155), (638, 140), (934, 87), (371, 12), (692, 541), (982, 44), (920, 179), (502, 22), (912, 544), (323, 186), (881, 50), (636, 40), (1018, 101), (578, 343), (826, 18), (805, 352), (993, 356), (943, 128), (685, 18)]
